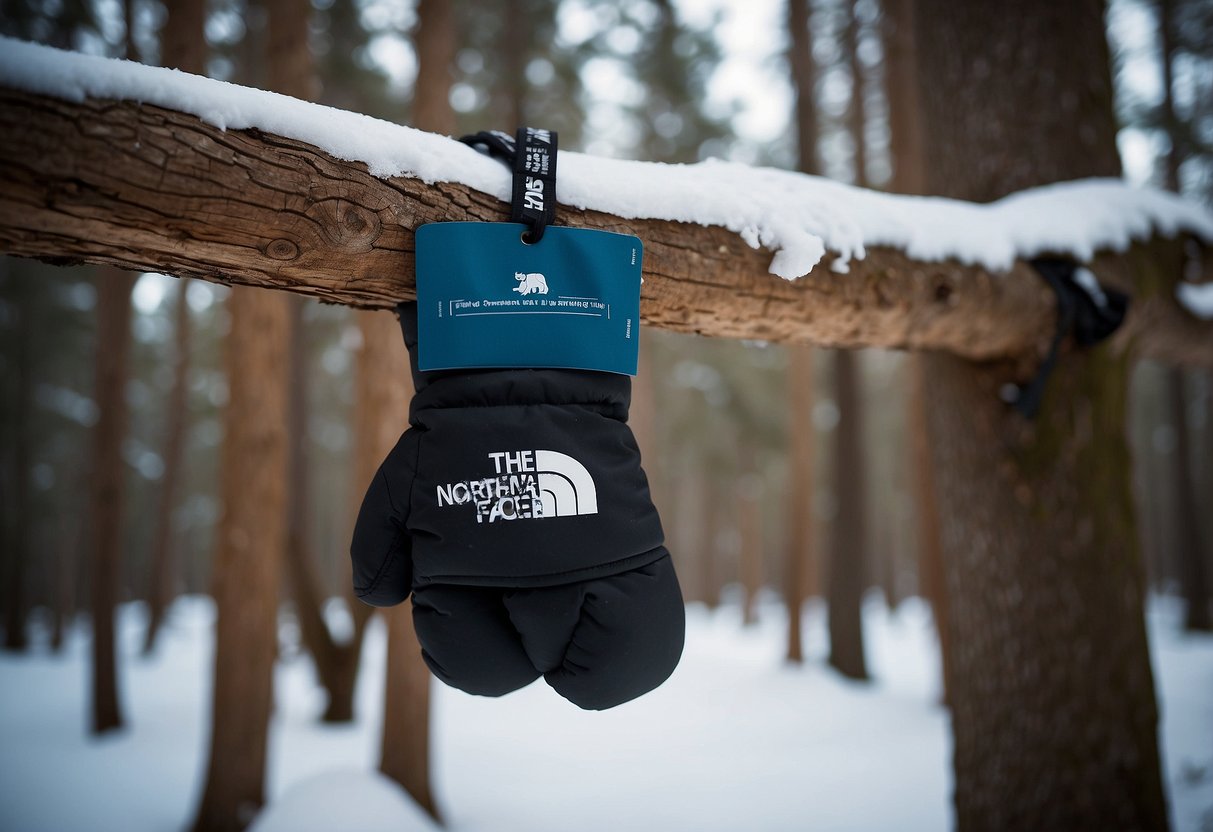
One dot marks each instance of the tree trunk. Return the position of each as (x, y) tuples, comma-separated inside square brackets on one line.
[(17, 550), (906, 150), (107, 485), (435, 45), (803, 68), (65, 577), (856, 112), (183, 40), (383, 395), (255, 490), (183, 46), (798, 558), (931, 583), (1053, 707), (901, 93), (846, 574), (162, 583), (1186, 513), (248, 560), (386, 387), (749, 527), (336, 662), (405, 751)]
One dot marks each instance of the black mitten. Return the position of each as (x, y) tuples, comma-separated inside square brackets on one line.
[(516, 512)]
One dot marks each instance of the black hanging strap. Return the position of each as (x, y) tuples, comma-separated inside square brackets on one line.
[(531, 155), (1084, 308)]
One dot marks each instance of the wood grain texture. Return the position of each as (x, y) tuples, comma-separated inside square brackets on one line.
[(151, 189)]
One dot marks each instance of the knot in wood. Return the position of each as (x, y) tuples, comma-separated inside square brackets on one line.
[(282, 249), (347, 225)]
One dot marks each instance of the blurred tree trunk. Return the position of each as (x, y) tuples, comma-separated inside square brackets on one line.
[(846, 573), (162, 583), (384, 390), (291, 72), (16, 550), (514, 57), (1186, 512), (711, 541), (798, 559), (901, 93), (930, 556), (65, 576), (906, 150), (749, 528), (248, 559), (1053, 708), (107, 485), (252, 535), (385, 387), (183, 46), (336, 662), (687, 528)]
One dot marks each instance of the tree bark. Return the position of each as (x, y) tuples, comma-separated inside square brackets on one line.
[(846, 574), (435, 44), (856, 114), (803, 68), (182, 45), (931, 583), (183, 39), (749, 527), (901, 93), (17, 550), (1054, 715), (162, 583), (1185, 510), (385, 391), (308, 223), (336, 663), (256, 492), (383, 396), (847, 571), (801, 436), (107, 487), (405, 751), (1193, 577), (907, 153), (248, 560)]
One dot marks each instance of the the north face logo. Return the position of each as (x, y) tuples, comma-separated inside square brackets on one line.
[(527, 485), (531, 284)]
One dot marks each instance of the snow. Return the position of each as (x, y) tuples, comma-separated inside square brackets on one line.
[(1196, 298), (800, 218), (345, 799), (735, 740)]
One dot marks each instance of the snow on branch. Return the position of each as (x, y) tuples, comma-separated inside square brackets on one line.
[(154, 169)]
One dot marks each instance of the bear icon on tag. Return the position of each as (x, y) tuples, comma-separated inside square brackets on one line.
[(531, 284)]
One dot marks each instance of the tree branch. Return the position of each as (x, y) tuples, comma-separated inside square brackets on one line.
[(151, 189)]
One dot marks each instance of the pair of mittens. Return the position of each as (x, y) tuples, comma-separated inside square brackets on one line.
[(515, 511)]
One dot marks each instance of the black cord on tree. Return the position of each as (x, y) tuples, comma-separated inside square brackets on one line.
[(1084, 308)]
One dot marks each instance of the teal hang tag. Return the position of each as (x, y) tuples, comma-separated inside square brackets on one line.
[(487, 299)]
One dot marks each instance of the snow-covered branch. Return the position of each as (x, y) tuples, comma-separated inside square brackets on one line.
[(111, 162)]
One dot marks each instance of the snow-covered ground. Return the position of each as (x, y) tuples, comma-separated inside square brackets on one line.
[(735, 740)]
